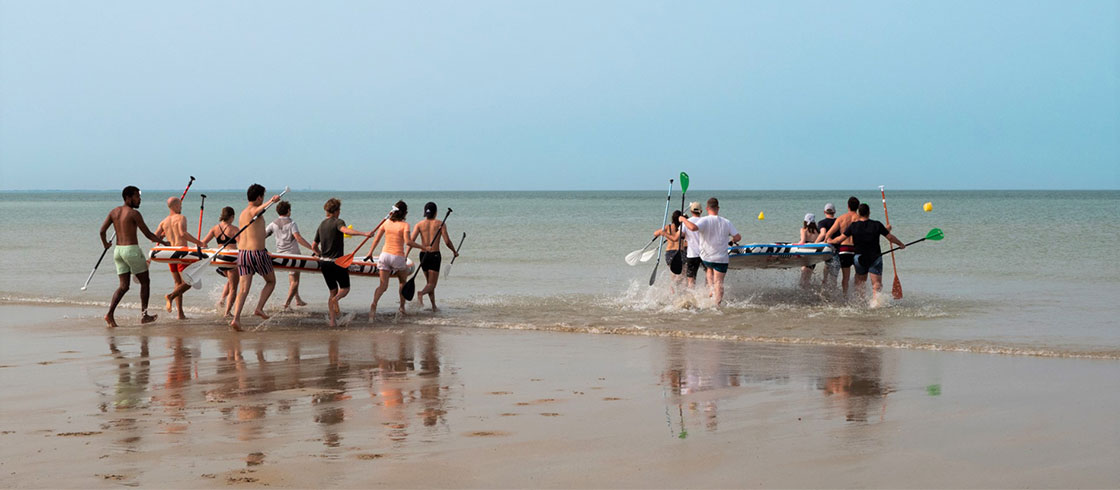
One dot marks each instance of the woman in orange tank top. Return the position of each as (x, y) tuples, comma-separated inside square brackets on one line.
[(393, 260)]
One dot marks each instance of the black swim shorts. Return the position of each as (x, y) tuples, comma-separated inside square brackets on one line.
[(335, 276), (430, 261), (692, 266)]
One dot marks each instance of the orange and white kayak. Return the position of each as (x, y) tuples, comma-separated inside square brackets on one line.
[(288, 262)]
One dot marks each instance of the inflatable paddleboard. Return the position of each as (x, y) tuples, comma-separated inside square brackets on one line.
[(777, 255), (287, 262)]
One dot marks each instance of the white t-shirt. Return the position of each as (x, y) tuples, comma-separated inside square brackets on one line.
[(283, 227), (693, 240), (714, 234)]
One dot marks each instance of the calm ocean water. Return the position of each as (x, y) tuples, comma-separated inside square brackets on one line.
[(1020, 272)]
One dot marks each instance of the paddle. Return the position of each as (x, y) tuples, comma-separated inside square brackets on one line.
[(193, 273), (632, 257), (457, 249), (677, 263), (896, 289), (653, 275), (409, 288), (933, 235), (114, 236), (201, 208), (345, 261)]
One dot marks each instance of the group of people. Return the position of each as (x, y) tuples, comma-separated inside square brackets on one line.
[(854, 236), (248, 237)]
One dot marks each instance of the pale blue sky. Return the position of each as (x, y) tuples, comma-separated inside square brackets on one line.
[(472, 95)]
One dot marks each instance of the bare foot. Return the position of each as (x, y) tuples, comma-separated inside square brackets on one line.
[(183, 317), (300, 302), (148, 318), (227, 314), (167, 297), (401, 312), (434, 308), (235, 325), (110, 322), (372, 316), (287, 307), (261, 314)]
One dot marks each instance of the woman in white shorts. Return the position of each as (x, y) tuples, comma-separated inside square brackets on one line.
[(393, 261)]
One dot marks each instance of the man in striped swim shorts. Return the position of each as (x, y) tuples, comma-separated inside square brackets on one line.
[(252, 257)]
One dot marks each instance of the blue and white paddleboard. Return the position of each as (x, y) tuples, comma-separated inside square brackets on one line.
[(777, 255)]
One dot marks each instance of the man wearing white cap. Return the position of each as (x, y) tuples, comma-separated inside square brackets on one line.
[(692, 251), (832, 266)]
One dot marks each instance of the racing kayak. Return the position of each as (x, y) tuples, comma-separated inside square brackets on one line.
[(288, 262), (777, 255)]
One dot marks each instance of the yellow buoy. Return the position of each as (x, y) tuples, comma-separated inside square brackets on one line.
[(345, 235), (927, 207), (761, 215)]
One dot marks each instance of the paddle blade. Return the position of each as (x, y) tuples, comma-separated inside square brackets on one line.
[(935, 234), (409, 289), (896, 289), (676, 264), (684, 182), (447, 269), (345, 261), (633, 257), (653, 275), (193, 273), (648, 254)]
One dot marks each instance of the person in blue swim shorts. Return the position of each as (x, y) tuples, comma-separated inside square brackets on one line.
[(868, 260), (713, 232)]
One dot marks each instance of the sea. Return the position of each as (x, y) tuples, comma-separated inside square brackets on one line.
[(1030, 273)]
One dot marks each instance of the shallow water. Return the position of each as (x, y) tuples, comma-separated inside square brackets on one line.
[(1025, 272)]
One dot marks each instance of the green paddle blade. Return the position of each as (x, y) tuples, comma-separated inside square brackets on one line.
[(684, 182), (935, 234)]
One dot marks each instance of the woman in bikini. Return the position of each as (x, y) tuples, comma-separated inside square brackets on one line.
[(392, 262), (672, 234), (224, 232), (809, 232)]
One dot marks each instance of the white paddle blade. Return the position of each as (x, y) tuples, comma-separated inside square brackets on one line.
[(632, 257), (193, 273), (648, 255)]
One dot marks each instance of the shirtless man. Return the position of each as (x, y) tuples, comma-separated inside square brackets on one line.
[(252, 257), (845, 250), (174, 228), (430, 257), (127, 256)]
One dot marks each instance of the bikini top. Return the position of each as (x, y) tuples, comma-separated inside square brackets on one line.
[(223, 238)]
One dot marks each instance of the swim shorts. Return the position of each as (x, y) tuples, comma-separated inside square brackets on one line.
[(669, 254), (129, 260), (177, 267), (253, 262), (876, 266), (335, 276), (691, 267), (832, 266), (716, 266), (846, 253), (392, 263), (430, 261)]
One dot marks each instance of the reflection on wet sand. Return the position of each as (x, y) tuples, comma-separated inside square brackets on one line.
[(854, 384)]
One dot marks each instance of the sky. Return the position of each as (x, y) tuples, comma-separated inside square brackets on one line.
[(568, 95)]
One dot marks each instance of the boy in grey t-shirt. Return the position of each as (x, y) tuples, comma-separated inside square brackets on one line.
[(288, 241)]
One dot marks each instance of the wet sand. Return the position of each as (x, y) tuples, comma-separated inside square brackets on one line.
[(411, 406)]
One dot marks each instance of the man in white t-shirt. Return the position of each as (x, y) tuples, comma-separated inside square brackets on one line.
[(692, 252), (714, 232)]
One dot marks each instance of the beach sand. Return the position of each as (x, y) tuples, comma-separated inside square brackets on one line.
[(408, 406)]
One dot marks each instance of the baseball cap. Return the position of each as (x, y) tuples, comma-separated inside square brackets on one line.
[(810, 218), (829, 208), (694, 207)]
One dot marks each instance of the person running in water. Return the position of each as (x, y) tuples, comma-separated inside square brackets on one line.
[(430, 256), (714, 231), (127, 256), (288, 241), (844, 249), (252, 257), (672, 234), (865, 233), (692, 262), (174, 228), (832, 265), (224, 232), (809, 233), (328, 245), (392, 262)]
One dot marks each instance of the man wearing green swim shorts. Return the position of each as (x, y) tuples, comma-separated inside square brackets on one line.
[(128, 257)]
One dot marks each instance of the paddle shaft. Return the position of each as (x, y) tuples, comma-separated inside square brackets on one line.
[(184, 196), (891, 251), (896, 289), (201, 208), (668, 198), (457, 248)]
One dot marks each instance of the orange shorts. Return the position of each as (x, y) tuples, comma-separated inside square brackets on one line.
[(177, 267)]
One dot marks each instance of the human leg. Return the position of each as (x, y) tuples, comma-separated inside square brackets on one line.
[(145, 290), (266, 291), (402, 277), (245, 283), (717, 286), (122, 287), (381, 288), (336, 296)]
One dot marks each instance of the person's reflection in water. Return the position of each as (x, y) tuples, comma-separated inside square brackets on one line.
[(857, 385), (694, 368), (178, 377), (327, 414), (430, 391), (393, 369), (132, 383)]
